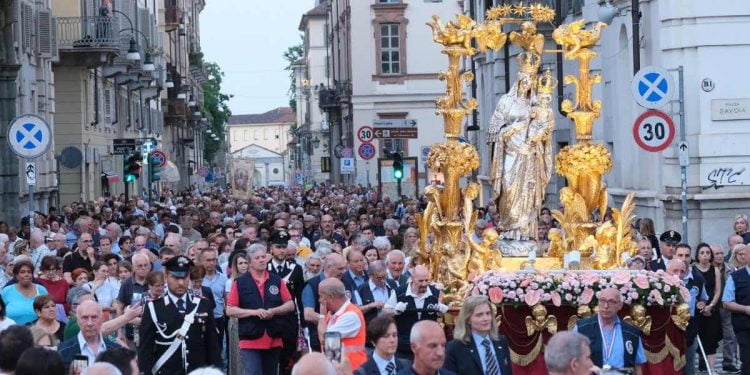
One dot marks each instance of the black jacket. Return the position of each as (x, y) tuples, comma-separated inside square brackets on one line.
[(371, 368), (202, 339), (464, 358)]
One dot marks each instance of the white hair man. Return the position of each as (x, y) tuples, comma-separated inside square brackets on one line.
[(427, 343), (38, 249), (395, 262), (568, 353)]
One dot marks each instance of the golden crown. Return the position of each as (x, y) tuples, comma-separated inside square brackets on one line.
[(529, 62), (546, 83)]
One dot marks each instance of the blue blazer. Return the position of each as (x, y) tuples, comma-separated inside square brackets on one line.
[(68, 349), (464, 358)]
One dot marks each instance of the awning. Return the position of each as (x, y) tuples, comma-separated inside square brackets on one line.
[(110, 178), (170, 173)]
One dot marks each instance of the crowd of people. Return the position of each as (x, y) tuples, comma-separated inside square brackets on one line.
[(199, 280)]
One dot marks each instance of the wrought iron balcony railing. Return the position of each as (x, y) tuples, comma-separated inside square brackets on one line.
[(87, 33)]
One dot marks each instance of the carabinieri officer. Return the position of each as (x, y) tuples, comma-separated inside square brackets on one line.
[(178, 333)]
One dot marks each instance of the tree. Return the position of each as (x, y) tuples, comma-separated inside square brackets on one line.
[(216, 105), (291, 55)]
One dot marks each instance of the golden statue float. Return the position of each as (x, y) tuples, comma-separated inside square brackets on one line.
[(590, 237), (519, 135)]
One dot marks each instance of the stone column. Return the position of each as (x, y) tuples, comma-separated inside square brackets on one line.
[(9, 173)]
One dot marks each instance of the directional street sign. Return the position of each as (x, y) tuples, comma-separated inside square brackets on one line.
[(29, 136), (396, 132), (395, 123), (123, 146), (365, 134), (682, 149), (366, 151), (652, 87), (30, 173), (654, 131)]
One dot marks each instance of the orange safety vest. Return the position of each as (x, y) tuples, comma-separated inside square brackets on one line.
[(353, 347)]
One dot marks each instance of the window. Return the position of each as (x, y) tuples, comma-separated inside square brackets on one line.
[(393, 145), (256, 134), (325, 164), (278, 134), (237, 136), (265, 133), (390, 51), (247, 135)]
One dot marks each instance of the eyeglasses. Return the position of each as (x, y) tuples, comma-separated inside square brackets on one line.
[(607, 302)]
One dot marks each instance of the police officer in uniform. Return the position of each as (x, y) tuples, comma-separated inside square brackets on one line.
[(177, 332), (291, 273), (667, 244)]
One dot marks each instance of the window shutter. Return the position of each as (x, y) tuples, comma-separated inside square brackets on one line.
[(54, 51), (13, 11), (26, 26), (44, 34), (108, 106)]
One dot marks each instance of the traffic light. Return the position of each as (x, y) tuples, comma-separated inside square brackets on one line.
[(132, 169), (398, 166), (154, 170)]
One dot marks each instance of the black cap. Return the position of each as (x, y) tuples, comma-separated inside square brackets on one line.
[(671, 237), (179, 266), (279, 238)]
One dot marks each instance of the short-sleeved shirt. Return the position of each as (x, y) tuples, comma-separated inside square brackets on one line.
[(130, 292), (105, 294), (265, 341), (730, 289), (19, 307), (217, 285), (75, 260)]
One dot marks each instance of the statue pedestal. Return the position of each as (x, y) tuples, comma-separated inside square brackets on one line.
[(512, 264)]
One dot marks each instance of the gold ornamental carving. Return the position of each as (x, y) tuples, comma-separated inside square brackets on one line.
[(540, 321), (520, 134), (639, 319)]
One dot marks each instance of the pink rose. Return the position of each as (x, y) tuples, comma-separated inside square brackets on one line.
[(586, 296), (621, 278), (532, 297), (685, 294), (641, 282), (656, 296), (496, 295), (556, 299), (589, 278), (672, 280), (525, 283)]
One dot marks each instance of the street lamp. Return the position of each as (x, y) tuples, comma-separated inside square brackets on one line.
[(133, 54), (182, 95), (192, 101), (169, 83), (148, 63), (316, 142)]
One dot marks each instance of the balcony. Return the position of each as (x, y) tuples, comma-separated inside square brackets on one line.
[(328, 98), (172, 16), (87, 41), (176, 108)]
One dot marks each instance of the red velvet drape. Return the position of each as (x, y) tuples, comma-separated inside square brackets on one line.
[(529, 358)]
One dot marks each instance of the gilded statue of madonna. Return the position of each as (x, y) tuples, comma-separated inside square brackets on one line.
[(520, 138)]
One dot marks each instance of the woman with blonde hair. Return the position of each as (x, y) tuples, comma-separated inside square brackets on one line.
[(741, 227), (411, 239), (738, 259), (476, 332)]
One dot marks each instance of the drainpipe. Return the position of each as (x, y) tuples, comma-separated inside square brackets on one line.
[(117, 106), (636, 17)]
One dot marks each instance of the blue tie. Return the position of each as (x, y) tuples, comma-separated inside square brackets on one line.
[(492, 367), (181, 306)]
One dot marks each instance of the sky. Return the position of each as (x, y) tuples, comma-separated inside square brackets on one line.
[(247, 39)]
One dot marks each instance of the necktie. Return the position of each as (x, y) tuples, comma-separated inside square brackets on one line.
[(489, 355), (390, 369), (181, 306), (279, 269)]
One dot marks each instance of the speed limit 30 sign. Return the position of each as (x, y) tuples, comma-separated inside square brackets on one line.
[(366, 134), (653, 131)]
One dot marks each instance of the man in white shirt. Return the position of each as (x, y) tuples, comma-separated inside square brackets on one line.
[(338, 314)]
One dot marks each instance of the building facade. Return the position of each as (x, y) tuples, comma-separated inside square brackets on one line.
[(27, 51), (269, 130), (312, 145), (708, 41), (395, 84)]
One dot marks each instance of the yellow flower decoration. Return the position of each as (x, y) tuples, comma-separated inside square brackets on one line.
[(583, 158)]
